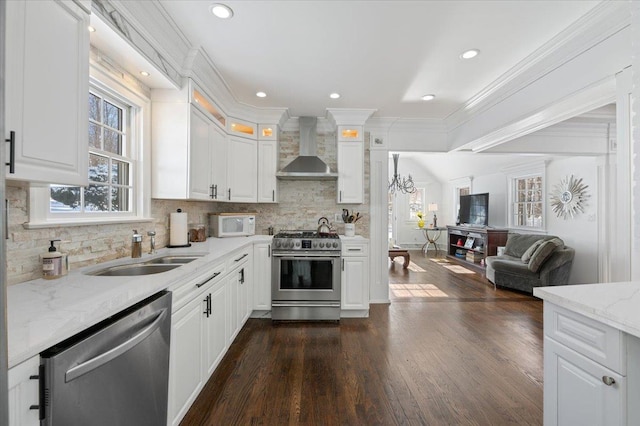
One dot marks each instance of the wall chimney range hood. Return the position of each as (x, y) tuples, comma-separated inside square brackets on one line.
[(307, 166)]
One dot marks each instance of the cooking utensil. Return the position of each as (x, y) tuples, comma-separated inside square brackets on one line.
[(345, 215), (323, 226), (357, 217)]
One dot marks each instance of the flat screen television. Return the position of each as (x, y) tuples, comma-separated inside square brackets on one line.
[(474, 209)]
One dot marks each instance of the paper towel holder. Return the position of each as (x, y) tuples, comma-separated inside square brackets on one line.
[(186, 232)]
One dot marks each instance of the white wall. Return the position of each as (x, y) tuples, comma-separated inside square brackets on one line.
[(580, 232)]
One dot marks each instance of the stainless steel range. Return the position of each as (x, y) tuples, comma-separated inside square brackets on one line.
[(305, 282)]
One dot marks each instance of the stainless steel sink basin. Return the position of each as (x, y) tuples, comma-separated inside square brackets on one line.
[(173, 260), (135, 269)]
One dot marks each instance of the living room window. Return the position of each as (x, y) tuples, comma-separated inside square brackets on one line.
[(416, 203), (527, 201)]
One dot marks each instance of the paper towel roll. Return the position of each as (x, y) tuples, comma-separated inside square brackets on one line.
[(178, 235)]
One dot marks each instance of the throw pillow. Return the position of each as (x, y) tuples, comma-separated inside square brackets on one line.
[(543, 252), (527, 254)]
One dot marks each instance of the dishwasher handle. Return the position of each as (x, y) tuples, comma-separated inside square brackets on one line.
[(93, 363)]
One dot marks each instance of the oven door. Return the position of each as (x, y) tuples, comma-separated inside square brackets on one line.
[(305, 277)]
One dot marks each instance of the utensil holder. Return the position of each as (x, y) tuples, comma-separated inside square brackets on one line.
[(349, 229)]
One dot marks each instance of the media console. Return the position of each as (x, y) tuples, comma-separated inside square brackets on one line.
[(471, 245)]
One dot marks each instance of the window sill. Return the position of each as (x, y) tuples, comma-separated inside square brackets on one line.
[(84, 222), (529, 230)]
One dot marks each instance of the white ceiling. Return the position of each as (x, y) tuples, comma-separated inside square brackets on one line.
[(380, 55)]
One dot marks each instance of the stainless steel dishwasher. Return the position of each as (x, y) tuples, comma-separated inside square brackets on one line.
[(115, 373)]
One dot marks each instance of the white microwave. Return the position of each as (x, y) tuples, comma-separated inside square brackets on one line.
[(232, 224)]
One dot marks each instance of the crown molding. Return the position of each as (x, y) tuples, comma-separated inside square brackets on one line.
[(349, 116), (603, 21)]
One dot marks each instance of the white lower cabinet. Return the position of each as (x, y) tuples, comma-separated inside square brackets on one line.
[(215, 337), (585, 370), (23, 393), (262, 277), (186, 377), (576, 392), (355, 278)]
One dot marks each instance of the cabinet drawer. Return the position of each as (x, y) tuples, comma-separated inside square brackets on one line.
[(593, 339), (355, 249), (183, 293), (238, 258)]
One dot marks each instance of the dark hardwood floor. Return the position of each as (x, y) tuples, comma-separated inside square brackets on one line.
[(448, 350)]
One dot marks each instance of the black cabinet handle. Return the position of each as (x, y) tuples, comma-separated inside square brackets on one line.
[(208, 279), (12, 152), (241, 257), (211, 192), (229, 194), (207, 306), (215, 189), (242, 276), (273, 195), (269, 250)]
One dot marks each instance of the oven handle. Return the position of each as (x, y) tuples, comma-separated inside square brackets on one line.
[(306, 305), (298, 256)]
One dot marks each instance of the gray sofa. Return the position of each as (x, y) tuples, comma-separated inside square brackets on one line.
[(509, 270)]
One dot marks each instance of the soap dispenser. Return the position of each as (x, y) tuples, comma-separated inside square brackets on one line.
[(54, 263), (136, 244)]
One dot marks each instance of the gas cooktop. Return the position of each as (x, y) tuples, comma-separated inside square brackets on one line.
[(303, 234)]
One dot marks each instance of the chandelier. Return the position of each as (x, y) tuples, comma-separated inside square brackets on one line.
[(398, 183)]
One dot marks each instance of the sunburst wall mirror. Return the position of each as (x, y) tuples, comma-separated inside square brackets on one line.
[(569, 197)]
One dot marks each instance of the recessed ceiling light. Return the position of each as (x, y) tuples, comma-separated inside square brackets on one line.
[(91, 29), (222, 11), (261, 95), (334, 95), (428, 97), (144, 73), (468, 54)]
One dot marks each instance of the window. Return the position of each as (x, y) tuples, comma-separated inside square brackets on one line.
[(110, 165), (527, 202), (416, 203), (119, 181)]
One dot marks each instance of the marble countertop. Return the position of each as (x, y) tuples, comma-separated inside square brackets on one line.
[(41, 313), (614, 304)]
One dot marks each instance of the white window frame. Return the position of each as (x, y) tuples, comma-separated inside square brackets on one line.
[(40, 215), (423, 190), (524, 172)]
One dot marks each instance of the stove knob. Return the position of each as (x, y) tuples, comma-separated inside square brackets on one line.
[(278, 243), (335, 245), (297, 243), (321, 245), (315, 244), (285, 244)]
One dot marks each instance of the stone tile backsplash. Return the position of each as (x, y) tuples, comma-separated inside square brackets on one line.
[(301, 204)]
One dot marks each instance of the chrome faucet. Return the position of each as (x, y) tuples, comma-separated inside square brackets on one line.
[(152, 241)]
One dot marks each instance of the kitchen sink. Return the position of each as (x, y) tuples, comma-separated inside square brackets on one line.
[(134, 269), (153, 266), (173, 260)]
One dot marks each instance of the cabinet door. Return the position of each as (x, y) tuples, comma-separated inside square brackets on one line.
[(267, 168), (262, 277), (231, 284), (215, 337), (355, 283), (186, 363), (23, 393), (199, 156), (219, 163), (242, 170), (575, 392), (350, 172), (47, 90)]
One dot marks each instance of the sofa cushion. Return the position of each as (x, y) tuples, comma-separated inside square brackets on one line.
[(543, 252), (527, 254), (517, 244)]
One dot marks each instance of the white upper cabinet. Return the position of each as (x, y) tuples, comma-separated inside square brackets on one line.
[(47, 90), (187, 138), (268, 157), (350, 172), (219, 164), (242, 172)]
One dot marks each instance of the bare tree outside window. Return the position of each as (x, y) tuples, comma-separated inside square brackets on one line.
[(110, 170)]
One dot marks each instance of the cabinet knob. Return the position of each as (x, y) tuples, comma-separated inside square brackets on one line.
[(609, 381)]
